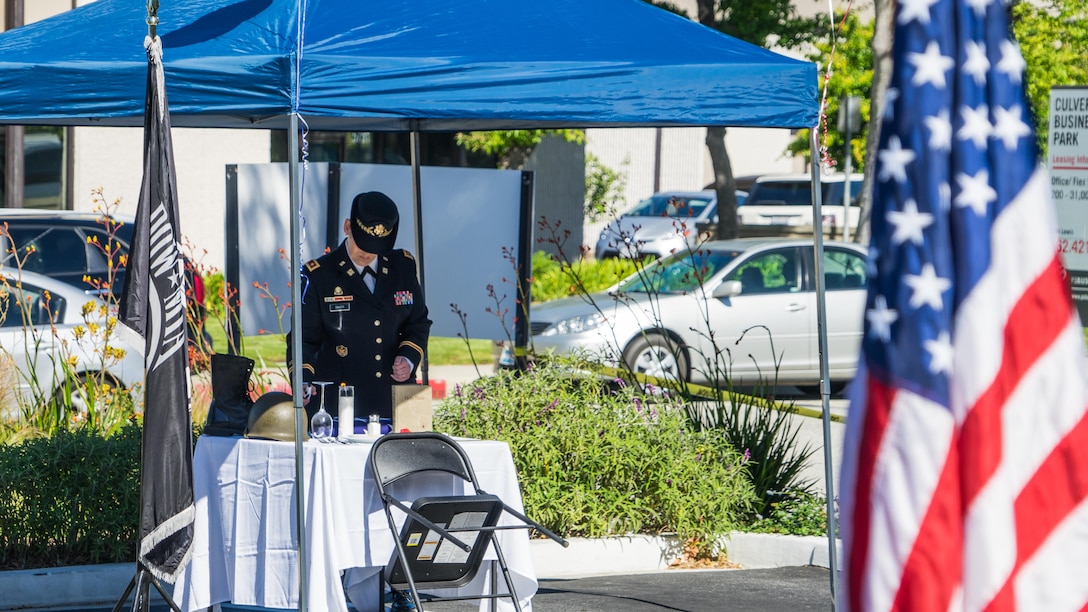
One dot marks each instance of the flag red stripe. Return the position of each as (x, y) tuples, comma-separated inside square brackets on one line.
[(876, 423), (933, 570), (1056, 489), (1038, 318)]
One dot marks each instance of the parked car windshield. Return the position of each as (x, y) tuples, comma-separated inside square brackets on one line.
[(678, 273), (664, 205)]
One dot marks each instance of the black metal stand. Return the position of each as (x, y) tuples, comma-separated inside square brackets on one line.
[(142, 583)]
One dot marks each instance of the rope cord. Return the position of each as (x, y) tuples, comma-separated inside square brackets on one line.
[(825, 157), (303, 141)]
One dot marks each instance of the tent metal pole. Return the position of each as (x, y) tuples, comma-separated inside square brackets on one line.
[(296, 350), (825, 382), (417, 207)]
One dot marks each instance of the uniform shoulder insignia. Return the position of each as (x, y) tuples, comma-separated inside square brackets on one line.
[(312, 265), (408, 255)]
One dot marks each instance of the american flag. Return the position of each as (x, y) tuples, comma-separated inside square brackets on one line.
[(965, 468)]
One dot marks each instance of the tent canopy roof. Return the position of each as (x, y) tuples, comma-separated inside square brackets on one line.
[(429, 65)]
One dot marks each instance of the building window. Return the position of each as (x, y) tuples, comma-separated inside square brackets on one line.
[(436, 149), (43, 167)]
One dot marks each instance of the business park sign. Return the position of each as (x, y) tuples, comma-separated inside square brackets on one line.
[(1067, 160)]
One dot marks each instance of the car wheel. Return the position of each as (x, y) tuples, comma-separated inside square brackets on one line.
[(658, 356), (79, 407)]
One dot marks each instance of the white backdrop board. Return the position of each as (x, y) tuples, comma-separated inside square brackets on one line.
[(471, 231)]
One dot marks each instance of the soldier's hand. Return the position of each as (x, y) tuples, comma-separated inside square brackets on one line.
[(402, 369), (308, 392)]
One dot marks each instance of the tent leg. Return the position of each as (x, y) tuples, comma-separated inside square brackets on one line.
[(825, 383), (301, 421), (417, 204)]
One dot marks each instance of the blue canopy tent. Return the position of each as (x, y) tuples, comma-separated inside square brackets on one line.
[(386, 65)]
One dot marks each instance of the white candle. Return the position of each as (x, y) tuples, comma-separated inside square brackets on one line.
[(347, 411)]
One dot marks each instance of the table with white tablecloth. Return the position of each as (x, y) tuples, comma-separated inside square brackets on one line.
[(245, 546)]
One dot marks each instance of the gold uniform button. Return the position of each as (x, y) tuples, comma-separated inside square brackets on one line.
[(377, 322), (377, 375), (378, 340), (377, 357)]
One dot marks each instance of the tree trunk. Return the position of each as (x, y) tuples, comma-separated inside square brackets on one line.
[(884, 15), (724, 183)]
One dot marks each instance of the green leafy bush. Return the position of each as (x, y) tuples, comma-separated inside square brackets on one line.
[(795, 513), (597, 459), (553, 279), (768, 436), (70, 499)]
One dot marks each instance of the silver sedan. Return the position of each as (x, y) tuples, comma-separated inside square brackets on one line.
[(50, 330), (740, 309)]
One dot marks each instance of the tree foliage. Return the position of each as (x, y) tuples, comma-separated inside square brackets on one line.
[(513, 147), (850, 54), (765, 23), (1052, 35)]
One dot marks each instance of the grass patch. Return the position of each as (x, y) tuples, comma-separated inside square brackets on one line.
[(270, 349)]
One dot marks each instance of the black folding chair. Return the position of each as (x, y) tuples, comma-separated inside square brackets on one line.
[(447, 535)]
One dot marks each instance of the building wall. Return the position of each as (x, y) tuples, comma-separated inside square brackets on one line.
[(559, 196), (111, 158)]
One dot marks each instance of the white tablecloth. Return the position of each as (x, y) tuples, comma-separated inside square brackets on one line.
[(245, 546)]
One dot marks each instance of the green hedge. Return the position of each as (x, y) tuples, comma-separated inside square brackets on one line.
[(70, 499), (597, 459)]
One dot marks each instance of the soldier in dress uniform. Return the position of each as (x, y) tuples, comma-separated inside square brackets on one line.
[(364, 322)]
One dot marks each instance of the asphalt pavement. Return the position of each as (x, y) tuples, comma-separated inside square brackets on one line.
[(783, 589)]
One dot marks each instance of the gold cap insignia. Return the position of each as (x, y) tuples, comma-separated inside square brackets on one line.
[(378, 230), (341, 350)]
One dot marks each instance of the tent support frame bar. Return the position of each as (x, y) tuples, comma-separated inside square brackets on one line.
[(296, 352), (825, 380)]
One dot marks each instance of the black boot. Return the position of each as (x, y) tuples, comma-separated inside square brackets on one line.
[(229, 410)]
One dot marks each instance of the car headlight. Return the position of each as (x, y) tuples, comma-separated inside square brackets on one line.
[(574, 325)]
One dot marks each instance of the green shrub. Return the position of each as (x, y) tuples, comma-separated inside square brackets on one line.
[(767, 434), (70, 499), (597, 459), (795, 513), (553, 279)]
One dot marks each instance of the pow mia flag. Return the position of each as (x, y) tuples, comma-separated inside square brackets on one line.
[(153, 305)]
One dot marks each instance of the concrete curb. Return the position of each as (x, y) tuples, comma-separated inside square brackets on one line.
[(103, 585), (636, 554)]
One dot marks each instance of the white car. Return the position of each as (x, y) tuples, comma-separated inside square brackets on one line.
[(786, 199), (751, 301), (48, 326), (660, 225)]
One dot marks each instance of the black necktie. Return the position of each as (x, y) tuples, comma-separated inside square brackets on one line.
[(368, 270)]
